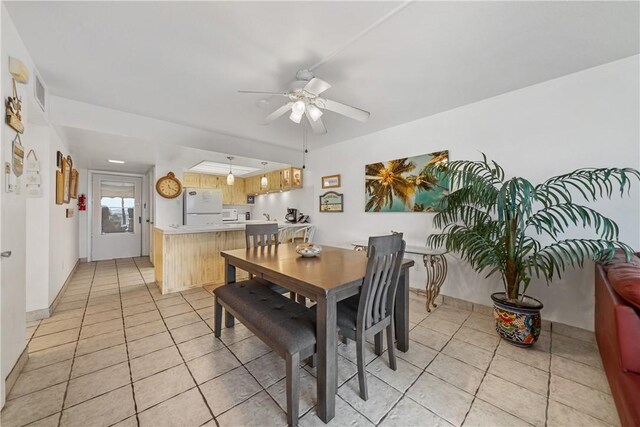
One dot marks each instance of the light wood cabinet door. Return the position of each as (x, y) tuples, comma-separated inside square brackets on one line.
[(191, 180), (227, 193), (296, 181), (274, 180), (209, 181), (239, 192)]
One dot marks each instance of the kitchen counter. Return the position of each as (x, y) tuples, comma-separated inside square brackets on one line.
[(188, 256), (225, 226)]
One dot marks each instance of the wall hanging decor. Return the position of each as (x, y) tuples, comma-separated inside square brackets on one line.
[(69, 212), (75, 177), (67, 166), (404, 185), (59, 188), (32, 175), (58, 159), (331, 202), (17, 156), (14, 111), (331, 181)]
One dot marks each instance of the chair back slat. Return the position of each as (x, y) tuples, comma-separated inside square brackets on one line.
[(261, 235), (378, 291)]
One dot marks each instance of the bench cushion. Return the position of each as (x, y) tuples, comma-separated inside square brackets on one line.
[(283, 324)]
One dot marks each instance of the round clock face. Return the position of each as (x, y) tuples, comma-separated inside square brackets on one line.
[(169, 187)]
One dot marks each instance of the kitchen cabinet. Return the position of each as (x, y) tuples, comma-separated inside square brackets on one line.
[(191, 180), (236, 194), (209, 181)]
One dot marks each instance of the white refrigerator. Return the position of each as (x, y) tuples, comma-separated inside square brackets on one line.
[(202, 206)]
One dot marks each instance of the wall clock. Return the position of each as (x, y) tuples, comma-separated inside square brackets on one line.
[(169, 186)]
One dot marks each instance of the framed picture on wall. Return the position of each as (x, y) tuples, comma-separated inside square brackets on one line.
[(59, 188), (332, 202), (74, 183), (67, 166), (331, 181)]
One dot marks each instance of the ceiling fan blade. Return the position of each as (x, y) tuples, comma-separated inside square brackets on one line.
[(279, 112), (316, 86), (316, 125), (345, 110), (263, 93)]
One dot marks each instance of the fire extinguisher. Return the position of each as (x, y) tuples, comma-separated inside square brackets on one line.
[(82, 202)]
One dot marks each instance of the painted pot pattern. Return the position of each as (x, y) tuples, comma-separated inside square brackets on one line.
[(520, 326)]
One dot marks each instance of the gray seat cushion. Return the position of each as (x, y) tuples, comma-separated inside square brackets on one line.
[(274, 318), (347, 313)]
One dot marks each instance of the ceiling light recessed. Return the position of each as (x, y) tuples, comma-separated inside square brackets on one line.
[(120, 162)]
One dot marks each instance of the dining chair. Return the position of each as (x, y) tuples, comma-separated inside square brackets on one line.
[(372, 311), (261, 235), (258, 235), (304, 234)]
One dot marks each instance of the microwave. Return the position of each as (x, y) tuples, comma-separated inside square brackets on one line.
[(229, 214)]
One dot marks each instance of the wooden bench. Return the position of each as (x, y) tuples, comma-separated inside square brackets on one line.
[(287, 327)]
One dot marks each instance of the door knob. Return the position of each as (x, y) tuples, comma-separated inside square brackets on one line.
[(5, 254)]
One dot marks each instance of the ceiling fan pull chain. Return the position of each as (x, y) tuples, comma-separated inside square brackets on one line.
[(304, 142)]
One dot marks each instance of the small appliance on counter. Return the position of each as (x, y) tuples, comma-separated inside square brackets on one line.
[(247, 216), (202, 206), (291, 216), (229, 214), (294, 217)]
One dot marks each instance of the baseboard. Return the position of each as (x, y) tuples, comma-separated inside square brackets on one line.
[(11, 379), (83, 259), (47, 312)]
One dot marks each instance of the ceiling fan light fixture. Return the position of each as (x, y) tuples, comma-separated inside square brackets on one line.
[(298, 107), (295, 117), (314, 112)]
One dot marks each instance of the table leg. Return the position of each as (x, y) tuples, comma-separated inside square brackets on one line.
[(436, 267), (327, 357), (402, 311), (229, 277)]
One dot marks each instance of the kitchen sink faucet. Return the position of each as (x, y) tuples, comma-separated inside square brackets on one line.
[(266, 215)]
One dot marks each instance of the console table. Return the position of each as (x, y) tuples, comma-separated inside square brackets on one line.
[(434, 261)]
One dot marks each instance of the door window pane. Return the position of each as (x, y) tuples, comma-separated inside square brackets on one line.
[(117, 200)]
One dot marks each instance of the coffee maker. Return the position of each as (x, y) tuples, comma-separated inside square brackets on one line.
[(292, 215)]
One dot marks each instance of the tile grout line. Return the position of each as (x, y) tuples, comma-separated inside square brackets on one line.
[(546, 409), (126, 346), (179, 352), (404, 394), (75, 350)]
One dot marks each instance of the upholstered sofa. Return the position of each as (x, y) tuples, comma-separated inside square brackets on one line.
[(617, 324)]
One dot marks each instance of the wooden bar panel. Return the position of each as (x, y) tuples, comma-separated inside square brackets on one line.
[(185, 261)]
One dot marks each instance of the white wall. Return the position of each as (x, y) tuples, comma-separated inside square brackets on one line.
[(37, 223), (590, 118), (63, 231), (276, 204), (13, 236), (168, 211), (44, 243)]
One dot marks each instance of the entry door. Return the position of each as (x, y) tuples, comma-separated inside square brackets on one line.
[(116, 228)]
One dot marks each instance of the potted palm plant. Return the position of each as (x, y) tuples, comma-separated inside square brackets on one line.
[(511, 227)]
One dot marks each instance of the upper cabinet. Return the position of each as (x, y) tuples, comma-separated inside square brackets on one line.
[(236, 194)]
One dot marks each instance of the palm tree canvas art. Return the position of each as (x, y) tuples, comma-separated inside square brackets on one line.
[(405, 185)]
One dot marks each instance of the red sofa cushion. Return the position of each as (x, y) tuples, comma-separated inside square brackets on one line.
[(625, 278)]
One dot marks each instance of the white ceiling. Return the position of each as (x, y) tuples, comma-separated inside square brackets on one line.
[(184, 61), (93, 150)]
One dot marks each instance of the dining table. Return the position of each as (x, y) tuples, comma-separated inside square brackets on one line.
[(333, 275)]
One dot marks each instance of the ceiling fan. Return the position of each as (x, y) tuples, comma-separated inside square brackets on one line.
[(305, 100)]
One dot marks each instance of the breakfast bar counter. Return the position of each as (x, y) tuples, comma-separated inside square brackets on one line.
[(186, 257)]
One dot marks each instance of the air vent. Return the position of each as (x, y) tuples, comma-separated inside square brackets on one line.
[(40, 93)]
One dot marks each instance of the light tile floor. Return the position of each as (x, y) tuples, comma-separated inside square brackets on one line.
[(117, 352)]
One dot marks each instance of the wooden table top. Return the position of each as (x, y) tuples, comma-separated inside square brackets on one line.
[(332, 269)]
